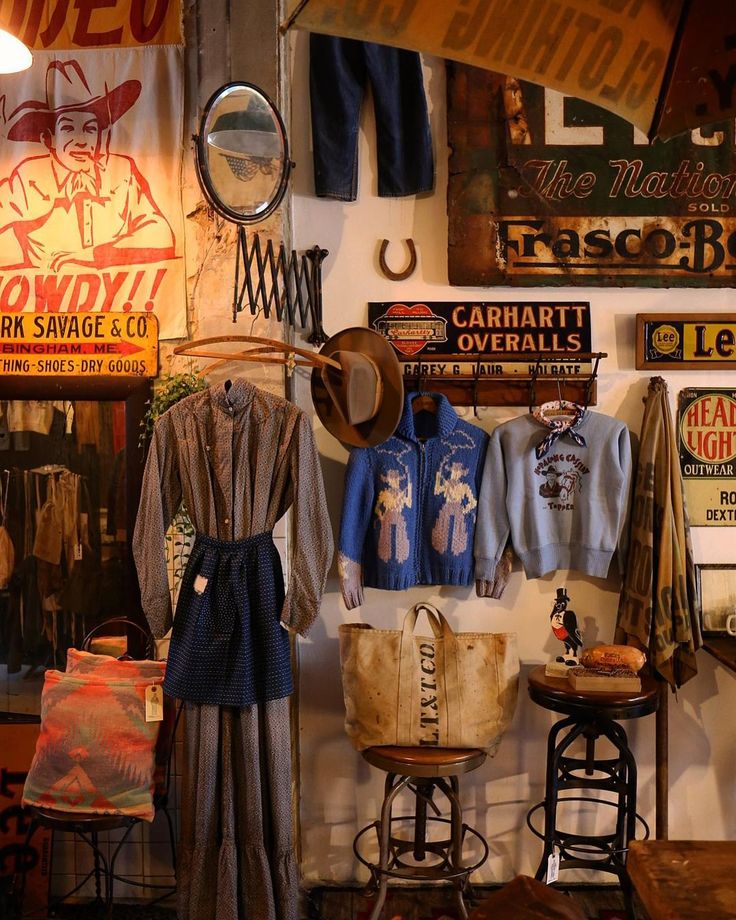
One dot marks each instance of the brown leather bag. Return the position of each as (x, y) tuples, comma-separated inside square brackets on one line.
[(446, 690)]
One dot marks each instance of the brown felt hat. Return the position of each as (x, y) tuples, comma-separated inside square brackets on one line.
[(361, 404)]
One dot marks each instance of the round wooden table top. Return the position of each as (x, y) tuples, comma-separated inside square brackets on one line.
[(557, 693)]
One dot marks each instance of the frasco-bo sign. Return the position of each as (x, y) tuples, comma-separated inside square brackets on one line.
[(553, 190), (685, 341), (707, 425), (79, 344)]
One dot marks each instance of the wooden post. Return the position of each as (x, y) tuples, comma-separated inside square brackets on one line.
[(662, 763)]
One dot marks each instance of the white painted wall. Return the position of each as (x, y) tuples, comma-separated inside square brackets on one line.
[(339, 791)]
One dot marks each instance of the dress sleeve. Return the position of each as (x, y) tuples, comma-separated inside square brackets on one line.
[(492, 527), (313, 545), (160, 500), (357, 508)]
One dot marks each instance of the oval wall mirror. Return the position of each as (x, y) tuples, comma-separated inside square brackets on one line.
[(242, 153)]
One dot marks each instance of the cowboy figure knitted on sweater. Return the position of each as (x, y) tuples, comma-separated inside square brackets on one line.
[(410, 504)]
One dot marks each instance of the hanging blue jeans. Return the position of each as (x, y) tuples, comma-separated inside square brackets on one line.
[(340, 69)]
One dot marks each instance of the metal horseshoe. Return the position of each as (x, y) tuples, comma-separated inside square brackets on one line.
[(405, 273)]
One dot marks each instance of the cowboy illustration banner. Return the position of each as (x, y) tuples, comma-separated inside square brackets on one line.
[(550, 189), (90, 209), (61, 25)]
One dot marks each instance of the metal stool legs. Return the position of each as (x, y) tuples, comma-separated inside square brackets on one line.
[(617, 775), (448, 865)]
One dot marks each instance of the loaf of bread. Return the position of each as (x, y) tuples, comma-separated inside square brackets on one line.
[(610, 657)]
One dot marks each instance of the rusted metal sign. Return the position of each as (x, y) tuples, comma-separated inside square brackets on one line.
[(707, 423), (435, 332), (79, 344), (484, 354), (685, 341), (549, 189)]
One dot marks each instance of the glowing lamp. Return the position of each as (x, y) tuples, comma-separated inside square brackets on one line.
[(14, 56)]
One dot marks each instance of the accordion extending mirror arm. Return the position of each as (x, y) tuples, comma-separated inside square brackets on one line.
[(243, 167)]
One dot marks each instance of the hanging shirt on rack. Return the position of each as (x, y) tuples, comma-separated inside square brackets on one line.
[(238, 459), (564, 506), (409, 510)]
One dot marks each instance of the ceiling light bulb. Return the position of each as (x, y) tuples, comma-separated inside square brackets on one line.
[(14, 56)]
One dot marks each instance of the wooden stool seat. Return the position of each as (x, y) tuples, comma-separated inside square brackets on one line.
[(424, 761)]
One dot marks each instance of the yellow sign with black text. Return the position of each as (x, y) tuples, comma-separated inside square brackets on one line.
[(685, 341), (79, 344)]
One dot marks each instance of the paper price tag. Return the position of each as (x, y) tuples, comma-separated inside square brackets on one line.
[(553, 867), (154, 704), (200, 583)]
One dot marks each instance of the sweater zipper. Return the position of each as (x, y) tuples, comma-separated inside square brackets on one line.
[(420, 505)]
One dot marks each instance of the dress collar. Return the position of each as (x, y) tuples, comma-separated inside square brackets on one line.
[(232, 395), (446, 416)]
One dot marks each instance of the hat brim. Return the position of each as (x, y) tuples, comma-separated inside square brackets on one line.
[(386, 420), (107, 109)]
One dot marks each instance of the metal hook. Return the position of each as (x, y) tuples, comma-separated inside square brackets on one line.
[(476, 381), (591, 380), (419, 377), (533, 384), (406, 272), (559, 393)]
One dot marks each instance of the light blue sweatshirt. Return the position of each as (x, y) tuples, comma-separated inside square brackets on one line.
[(567, 510)]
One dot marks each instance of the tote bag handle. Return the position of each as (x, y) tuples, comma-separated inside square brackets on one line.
[(409, 674)]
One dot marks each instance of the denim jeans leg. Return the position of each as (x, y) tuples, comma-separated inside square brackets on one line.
[(403, 137), (337, 81)]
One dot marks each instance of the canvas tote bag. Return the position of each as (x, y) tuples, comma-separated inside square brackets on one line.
[(449, 689)]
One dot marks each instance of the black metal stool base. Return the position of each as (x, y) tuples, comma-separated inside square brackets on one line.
[(590, 716), (402, 858)]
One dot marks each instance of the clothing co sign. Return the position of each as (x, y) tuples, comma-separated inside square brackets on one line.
[(708, 455), (558, 191), (79, 345)]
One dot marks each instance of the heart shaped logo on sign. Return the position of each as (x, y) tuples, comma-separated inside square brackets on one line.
[(415, 343)]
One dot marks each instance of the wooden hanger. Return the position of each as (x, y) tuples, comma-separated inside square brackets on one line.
[(268, 351), (559, 408), (424, 403)]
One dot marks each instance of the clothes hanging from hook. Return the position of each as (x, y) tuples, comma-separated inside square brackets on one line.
[(564, 510)]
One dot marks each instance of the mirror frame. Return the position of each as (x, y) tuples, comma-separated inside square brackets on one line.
[(200, 158), (135, 392)]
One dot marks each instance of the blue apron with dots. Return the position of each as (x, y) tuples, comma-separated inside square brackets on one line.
[(227, 645)]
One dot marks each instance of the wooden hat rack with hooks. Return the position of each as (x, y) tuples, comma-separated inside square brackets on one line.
[(490, 383)]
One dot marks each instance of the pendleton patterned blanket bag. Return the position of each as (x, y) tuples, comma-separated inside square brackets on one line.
[(96, 751), (455, 690)]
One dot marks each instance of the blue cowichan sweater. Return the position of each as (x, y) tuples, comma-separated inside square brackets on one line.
[(408, 515)]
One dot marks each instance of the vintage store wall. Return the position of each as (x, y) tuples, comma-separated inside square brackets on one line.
[(339, 792)]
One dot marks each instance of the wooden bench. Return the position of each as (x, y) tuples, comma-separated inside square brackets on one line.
[(684, 879)]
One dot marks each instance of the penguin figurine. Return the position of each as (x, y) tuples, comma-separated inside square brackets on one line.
[(564, 625)]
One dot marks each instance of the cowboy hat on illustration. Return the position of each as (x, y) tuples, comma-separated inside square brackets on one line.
[(67, 90)]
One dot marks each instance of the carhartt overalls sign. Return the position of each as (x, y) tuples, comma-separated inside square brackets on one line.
[(436, 333), (549, 189)]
